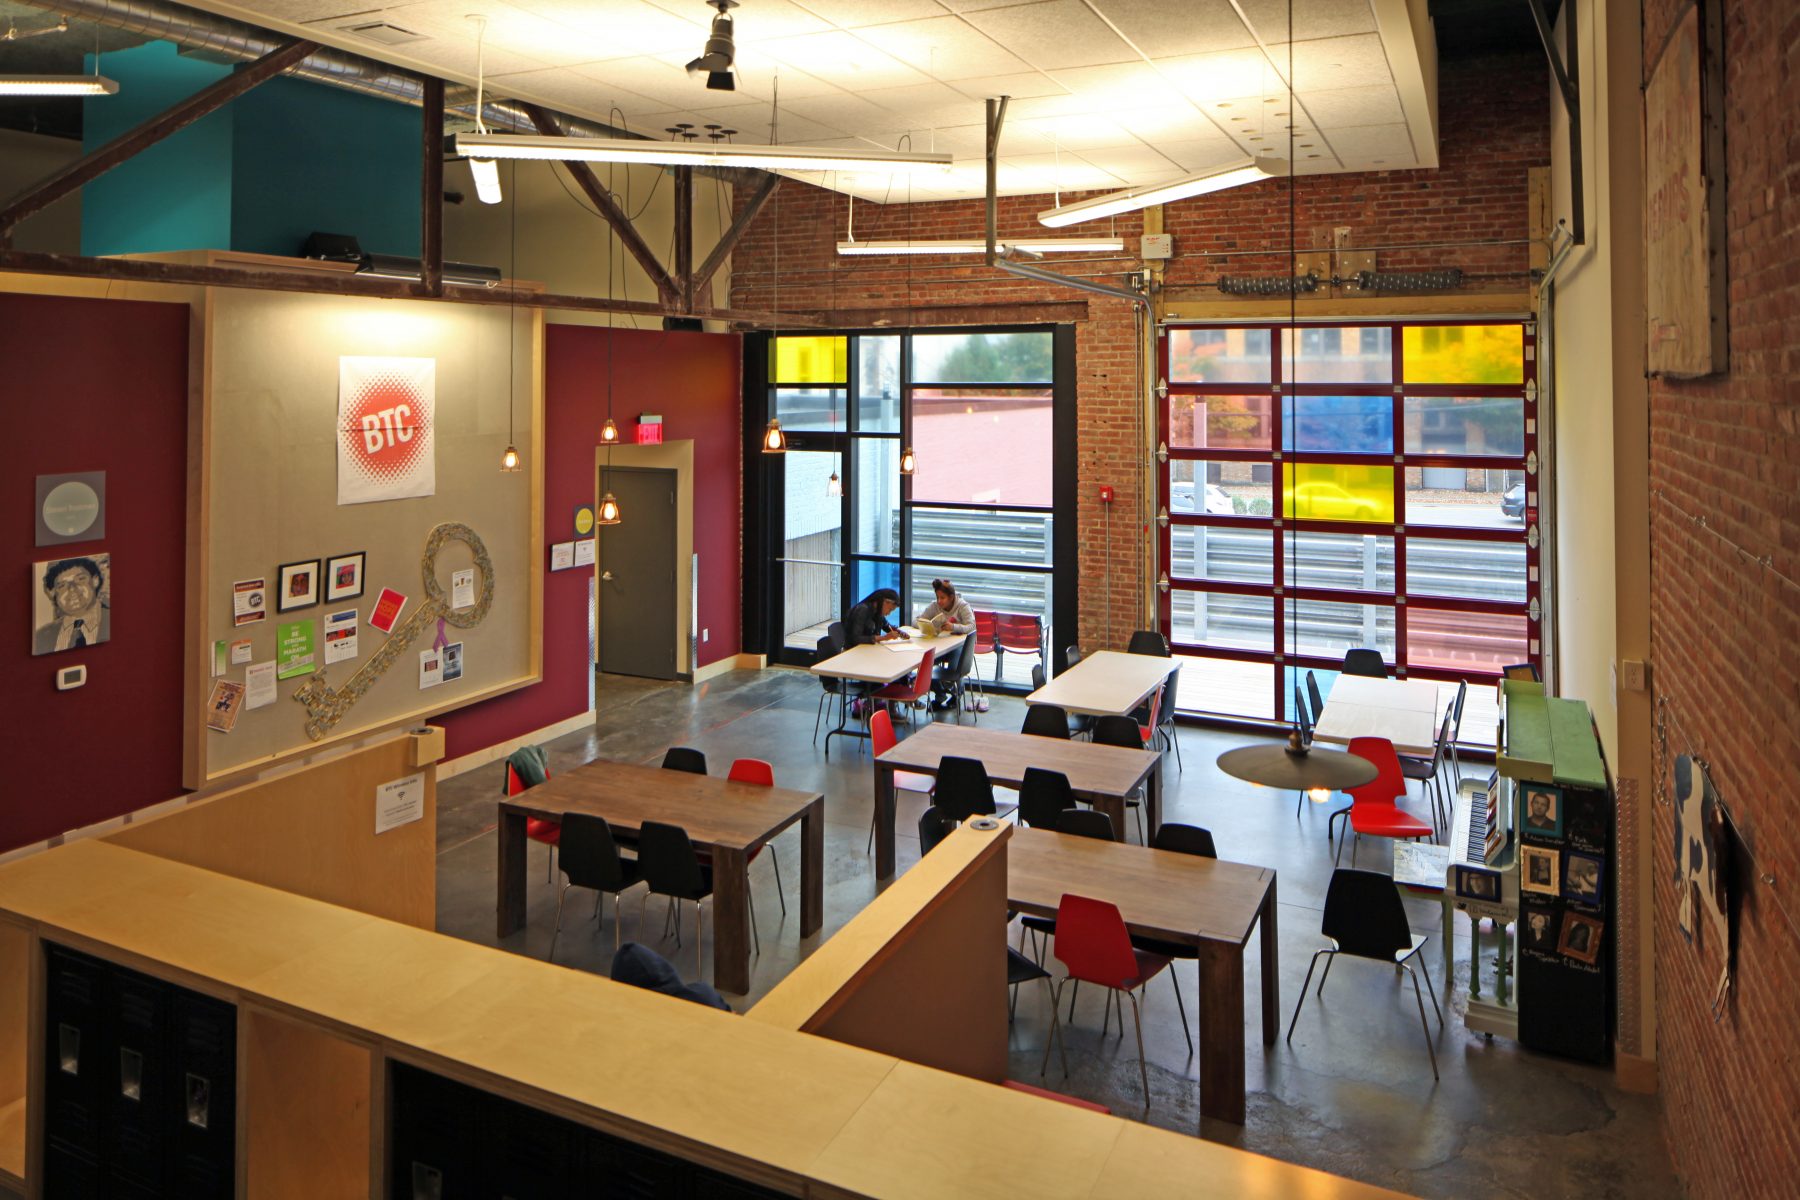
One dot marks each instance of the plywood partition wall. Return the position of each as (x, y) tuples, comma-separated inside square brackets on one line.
[(308, 1101), (310, 830), (921, 972)]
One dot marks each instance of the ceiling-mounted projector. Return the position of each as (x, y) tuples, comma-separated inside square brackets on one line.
[(715, 61)]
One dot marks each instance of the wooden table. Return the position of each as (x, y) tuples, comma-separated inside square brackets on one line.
[(1184, 898), (878, 664), (1102, 776), (1407, 712), (1106, 683), (727, 818)]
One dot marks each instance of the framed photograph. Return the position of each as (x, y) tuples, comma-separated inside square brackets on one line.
[(1583, 875), (1542, 806), (344, 576), (1539, 871), (71, 603), (1539, 929), (297, 585), (1580, 937), (1473, 883)]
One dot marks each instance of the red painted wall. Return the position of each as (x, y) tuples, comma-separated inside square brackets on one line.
[(94, 385), (693, 380)]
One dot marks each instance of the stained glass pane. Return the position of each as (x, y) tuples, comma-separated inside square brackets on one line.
[(1464, 641), (1220, 356), (809, 360), (1339, 424), (1466, 425), (1220, 422), (1463, 354), (1337, 492)]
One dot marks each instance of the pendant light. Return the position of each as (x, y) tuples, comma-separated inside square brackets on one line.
[(608, 513), (484, 171), (907, 462), (510, 461), (609, 432), (773, 440), (834, 487)]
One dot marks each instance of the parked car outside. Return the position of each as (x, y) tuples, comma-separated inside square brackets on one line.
[(1512, 504), (1218, 504)]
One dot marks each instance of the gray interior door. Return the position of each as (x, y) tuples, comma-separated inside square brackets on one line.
[(636, 559)]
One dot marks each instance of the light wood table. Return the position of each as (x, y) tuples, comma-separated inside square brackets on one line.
[(1102, 776), (1407, 712), (728, 818), (1106, 683), (1200, 902), (878, 664)]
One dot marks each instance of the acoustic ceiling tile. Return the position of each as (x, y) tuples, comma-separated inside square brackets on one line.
[(1346, 107), (943, 48), (1312, 18), (1054, 33), (1203, 154), (855, 14), (1024, 85), (1209, 78), (1073, 132), (1160, 31), (1119, 86), (631, 27), (1370, 143), (926, 106), (758, 21), (1338, 62), (843, 59)]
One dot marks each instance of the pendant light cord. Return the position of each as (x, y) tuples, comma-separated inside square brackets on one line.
[(512, 306)]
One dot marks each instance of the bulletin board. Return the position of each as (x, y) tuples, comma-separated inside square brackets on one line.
[(265, 495)]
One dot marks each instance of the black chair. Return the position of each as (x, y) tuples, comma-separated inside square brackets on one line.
[(1126, 732), (1071, 656), (684, 758), (1165, 718), (963, 789), (1179, 839), (640, 966), (1185, 839), (1364, 918), (591, 859), (934, 827), (1462, 694), (671, 868), (1304, 721), (1318, 697), (1365, 662), (1046, 720), (1044, 796), (1148, 641), (832, 687), (953, 677), (1430, 771), (1086, 822)]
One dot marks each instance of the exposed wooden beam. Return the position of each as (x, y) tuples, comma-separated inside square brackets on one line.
[(614, 215), (89, 167), (336, 283), (920, 316), (733, 235), (684, 234), (431, 188)]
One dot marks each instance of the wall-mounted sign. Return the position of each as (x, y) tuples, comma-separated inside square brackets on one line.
[(71, 508), (584, 520), (386, 428), (649, 429)]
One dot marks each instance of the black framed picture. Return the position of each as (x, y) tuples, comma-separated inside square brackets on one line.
[(1542, 806), (344, 576), (1473, 883), (297, 585), (1583, 876)]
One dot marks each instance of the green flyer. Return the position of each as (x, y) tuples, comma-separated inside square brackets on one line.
[(294, 650)]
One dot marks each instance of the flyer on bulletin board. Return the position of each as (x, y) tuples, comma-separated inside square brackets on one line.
[(340, 636), (387, 610), (294, 650)]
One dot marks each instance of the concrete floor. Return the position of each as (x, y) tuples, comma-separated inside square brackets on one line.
[(1353, 1092)]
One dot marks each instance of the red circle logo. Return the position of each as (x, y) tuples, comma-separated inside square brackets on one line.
[(386, 426)]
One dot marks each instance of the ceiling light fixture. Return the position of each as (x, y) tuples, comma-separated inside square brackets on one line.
[(485, 171), (692, 154), (978, 246), (57, 85), (715, 61), (1131, 199)]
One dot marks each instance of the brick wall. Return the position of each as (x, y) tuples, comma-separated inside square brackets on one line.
[(1494, 127), (1724, 632)]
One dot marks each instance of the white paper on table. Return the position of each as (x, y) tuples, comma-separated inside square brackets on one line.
[(431, 667), (584, 552), (259, 684), (240, 652), (340, 636), (462, 588), (899, 647), (399, 802)]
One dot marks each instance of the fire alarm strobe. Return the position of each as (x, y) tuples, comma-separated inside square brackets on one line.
[(70, 677), (1105, 495)]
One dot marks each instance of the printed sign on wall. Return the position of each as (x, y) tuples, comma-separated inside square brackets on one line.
[(386, 434)]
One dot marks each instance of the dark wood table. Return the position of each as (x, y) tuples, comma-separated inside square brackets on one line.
[(728, 819), (1102, 776), (1184, 898)]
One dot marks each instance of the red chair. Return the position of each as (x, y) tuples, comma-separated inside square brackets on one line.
[(985, 641), (1094, 947), (538, 829), (1020, 633), (1372, 809), (881, 733), (915, 689), (756, 771)]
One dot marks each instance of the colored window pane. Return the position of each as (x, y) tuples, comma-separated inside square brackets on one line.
[(982, 445), (1223, 619), (1463, 354), (1219, 356), (1466, 570), (1225, 686), (1221, 489), (1466, 425), (806, 408), (1339, 355), (1464, 641), (1217, 552), (1337, 492), (1343, 562), (809, 360), (1339, 424), (1324, 629), (982, 358), (1220, 422)]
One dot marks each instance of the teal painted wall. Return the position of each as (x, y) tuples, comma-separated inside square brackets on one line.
[(177, 194)]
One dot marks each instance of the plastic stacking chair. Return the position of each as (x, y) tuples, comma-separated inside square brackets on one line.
[(953, 677), (755, 770), (1094, 947), (1046, 720), (831, 687), (525, 768), (1044, 796), (591, 859), (881, 733), (1179, 839), (1304, 720), (963, 789), (1318, 697), (916, 688), (684, 758), (1071, 656), (1126, 732), (1462, 694), (1430, 771), (987, 638), (1372, 809), (1077, 822), (1086, 822), (1148, 641), (1366, 662), (934, 827), (1020, 633), (1364, 918), (1165, 723), (670, 867)]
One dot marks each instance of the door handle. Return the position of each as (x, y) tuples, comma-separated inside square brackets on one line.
[(607, 575)]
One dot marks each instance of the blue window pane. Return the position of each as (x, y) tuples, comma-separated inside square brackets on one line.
[(869, 574), (1339, 424)]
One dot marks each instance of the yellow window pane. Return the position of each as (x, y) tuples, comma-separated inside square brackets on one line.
[(1337, 492), (809, 360), (1464, 354)]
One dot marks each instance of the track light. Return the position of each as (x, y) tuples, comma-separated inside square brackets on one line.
[(715, 61), (1131, 199)]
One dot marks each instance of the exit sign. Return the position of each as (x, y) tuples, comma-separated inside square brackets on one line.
[(649, 429)]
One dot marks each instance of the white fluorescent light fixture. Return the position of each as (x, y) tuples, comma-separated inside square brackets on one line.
[(979, 246), (487, 179), (691, 154), (1131, 199), (57, 85)]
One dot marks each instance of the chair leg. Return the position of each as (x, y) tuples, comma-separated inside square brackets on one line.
[(1327, 972), (1074, 994), (1182, 1009), (1137, 1024), (819, 715), (1424, 1025), (755, 937), (1106, 1016), (560, 897), (699, 965), (1175, 745), (1431, 990), (775, 857), (1055, 1031), (1300, 1003), (550, 866)]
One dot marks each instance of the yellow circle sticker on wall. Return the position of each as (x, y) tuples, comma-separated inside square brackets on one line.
[(584, 519)]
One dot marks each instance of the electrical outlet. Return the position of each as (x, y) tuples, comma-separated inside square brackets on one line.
[(1633, 675)]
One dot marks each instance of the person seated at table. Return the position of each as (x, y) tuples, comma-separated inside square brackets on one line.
[(868, 621), (948, 615)]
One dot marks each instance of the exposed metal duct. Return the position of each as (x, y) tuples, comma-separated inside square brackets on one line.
[(239, 42)]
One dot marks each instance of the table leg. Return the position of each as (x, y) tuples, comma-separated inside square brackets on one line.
[(885, 803), (1222, 1031), (1153, 799), (1115, 809), (1271, 967), (510, 899), (731, 920), (812, 869)]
